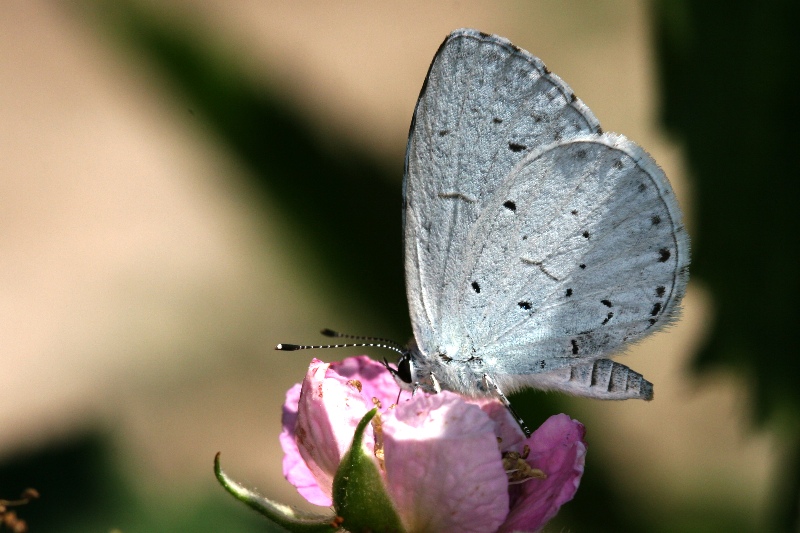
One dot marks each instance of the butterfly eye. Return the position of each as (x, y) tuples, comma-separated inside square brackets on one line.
[(405, 369)]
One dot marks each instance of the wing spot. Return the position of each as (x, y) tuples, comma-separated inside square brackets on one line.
[(663, 255), (511, 206), (574, 346), (655, 220), (585, 234), (574, 98), (574, 212), (514, 147), (607, 303), (580, 154), (442, 133), (660, 290), (618, 164), (525, 305), (656, 309), (609, 316), (642, 187), (476, 287), (497, 120), (569, 293), (582, 266), (652, 321)]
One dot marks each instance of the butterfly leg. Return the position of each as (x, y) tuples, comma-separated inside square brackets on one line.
[(436, 387), (489, 384)]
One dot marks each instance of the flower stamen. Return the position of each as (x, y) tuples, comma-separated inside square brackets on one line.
[(517, 468)]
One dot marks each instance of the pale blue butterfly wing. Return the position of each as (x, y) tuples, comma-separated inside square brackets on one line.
[(484, 105), (531, 241)]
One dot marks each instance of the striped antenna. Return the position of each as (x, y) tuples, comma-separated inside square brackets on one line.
[(378, 343)]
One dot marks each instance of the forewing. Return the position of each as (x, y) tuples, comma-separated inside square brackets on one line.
[(581, 251), (484, 106)]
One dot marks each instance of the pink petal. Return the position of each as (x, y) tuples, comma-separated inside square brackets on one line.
[(506, 427), (376, 381), (558, 449), (443, 466), (329, 409), (294, 467)]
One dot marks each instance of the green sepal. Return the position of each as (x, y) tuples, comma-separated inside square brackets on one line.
[(359, 495), (285, 516)]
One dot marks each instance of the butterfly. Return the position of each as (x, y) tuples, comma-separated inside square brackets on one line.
[(536, 245)]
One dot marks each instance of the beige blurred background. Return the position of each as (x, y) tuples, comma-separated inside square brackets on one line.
[(142, 290)]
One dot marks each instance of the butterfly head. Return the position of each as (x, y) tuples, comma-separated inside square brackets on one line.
[(405, 374), (410, 375)]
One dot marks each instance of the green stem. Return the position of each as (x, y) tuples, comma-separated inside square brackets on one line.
[(283, 515)]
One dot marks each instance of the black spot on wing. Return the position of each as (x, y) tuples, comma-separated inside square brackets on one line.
[(582, 266), (663, 255), (515, 147), (655, 220), (442, 133), (476, 287), (569, 293), (524, 305), (508, 204), (656, 309), (609, 316), (660, 291), (585, 234), (574, 346), (497, 120), (607, 303)]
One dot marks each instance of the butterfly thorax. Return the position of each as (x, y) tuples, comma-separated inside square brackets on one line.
[(439, 370)]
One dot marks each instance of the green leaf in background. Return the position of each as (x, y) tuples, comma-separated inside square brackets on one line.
[(729, 75), (320, 190)]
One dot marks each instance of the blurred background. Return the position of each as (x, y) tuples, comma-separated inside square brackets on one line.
[(184, 185)]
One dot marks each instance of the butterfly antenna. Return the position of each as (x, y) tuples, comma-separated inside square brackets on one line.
[(330, 333), (377, 343)]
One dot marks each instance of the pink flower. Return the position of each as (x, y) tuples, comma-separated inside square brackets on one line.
[(444, 460)]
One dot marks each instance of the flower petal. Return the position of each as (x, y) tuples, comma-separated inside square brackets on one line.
[(294, 467), (375, 380), (506, 427), (558, 449), (443, 466), (329, 410)]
